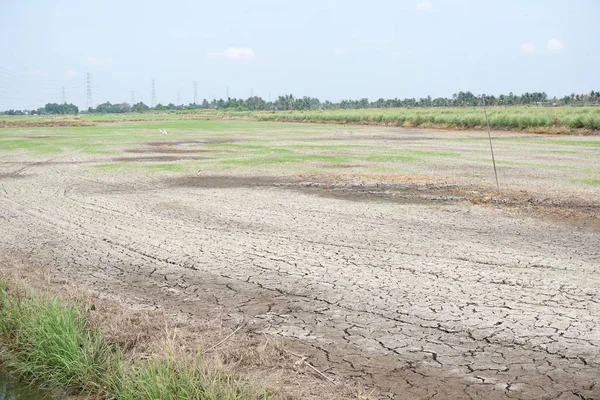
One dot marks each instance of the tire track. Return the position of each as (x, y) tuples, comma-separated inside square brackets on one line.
[(411, 300)]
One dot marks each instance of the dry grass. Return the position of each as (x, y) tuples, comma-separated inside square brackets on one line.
[(154, 336)]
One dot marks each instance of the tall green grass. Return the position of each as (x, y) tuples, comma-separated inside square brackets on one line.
[(520, 118), (514, 118), (52, 345), (49, 344), (172, 379)]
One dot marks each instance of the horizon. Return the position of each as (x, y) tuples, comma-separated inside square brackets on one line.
[(577, 99), (407, 49)]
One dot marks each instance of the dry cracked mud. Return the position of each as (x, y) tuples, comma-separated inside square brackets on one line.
[(434, 295)]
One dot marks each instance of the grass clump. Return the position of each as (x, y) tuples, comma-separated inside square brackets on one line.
[(53, 345), (49, 344), (168, 378)]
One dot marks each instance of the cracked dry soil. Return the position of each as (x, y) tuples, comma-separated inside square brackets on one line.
[(425, 299)]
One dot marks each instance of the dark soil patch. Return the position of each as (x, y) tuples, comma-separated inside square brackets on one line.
[(34, 163), (334, 166), (11, 175), (399, 193), (157, 158), (576, 211), (42, 124), (168, 150), (228, 182), (403, 193), (38, 137), (184, 143)]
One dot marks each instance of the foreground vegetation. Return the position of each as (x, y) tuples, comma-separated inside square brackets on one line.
[(53, 345)]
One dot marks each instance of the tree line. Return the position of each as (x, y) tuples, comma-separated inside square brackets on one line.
[(50, 108), (289, 102)]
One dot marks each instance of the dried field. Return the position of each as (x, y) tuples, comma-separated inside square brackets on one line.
[(382, 254)]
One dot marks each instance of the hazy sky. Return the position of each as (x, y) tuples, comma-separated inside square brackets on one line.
[(323, 48)]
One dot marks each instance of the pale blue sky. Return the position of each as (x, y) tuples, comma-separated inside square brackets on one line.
[(323, 48)]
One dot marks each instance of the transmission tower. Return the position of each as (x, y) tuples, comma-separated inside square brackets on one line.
[(153, 103), (64, 95), (227, 93), (88, 92), (178, 99), (195, 92), (132, 97), (251, 92)]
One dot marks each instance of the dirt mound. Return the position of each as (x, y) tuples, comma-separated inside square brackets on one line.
[(43, 124)]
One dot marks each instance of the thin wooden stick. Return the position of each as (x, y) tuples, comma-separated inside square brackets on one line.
[(224, 340), (490, 137)]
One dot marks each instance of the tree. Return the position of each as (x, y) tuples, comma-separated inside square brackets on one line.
[(54, 108), (139, 107)]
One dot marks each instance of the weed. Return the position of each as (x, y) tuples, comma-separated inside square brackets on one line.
[(52, 345)]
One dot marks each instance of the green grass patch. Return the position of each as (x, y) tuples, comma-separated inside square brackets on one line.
[(166, 167), (37, 146), (167, 378), (404, 158), (433, 153), (108, 167), (588, 181), (253, 148), (560, 152), (294, 158), (119, 167), (331, 146)]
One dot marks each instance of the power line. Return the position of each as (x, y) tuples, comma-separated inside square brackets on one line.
[(153, 102), (195, 92), (88, 92)]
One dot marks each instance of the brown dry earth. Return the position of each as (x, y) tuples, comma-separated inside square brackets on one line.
[(416, 288)]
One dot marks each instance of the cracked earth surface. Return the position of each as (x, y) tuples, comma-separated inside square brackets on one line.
[(423, 299)]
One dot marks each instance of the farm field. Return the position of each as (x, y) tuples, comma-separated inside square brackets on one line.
[(384, 255), (554, 120)]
